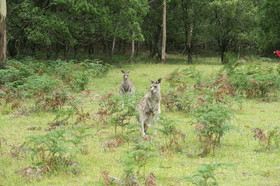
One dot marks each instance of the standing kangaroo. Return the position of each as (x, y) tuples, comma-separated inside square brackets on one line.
[(127, 86), (149, 107)]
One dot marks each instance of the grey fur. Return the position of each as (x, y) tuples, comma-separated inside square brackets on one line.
[(127, 86), (149, 107)]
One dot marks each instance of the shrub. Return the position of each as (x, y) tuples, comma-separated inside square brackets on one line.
[(31, 77), (172, 135), (56, 149), (180, 94), (56, 100), (38, 85), (119, 109), (255, 80), (95, 68), (211, 123), (268, 138), (15, 75), (136, 159), (179, 98), (205, 174), (78, 81), (188, 75)]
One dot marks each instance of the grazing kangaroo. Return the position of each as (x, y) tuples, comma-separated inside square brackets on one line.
[(127, 86), (149, 107)]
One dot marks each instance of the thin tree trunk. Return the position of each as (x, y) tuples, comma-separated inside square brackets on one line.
[(114, 42), (189, 55), (132, 49), (137, 48), (113, 46), (3, 32), (123, 47), (223, 56), (163, 49), (189, 43)]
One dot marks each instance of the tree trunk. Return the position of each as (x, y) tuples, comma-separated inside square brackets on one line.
[(3, 32), (189, 55), (123, 47), (113, 46), (223, 46), (137, 48), (105, 48), (132, 50), (223, 56), (163, 48)]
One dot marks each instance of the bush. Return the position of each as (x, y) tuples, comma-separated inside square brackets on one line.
[(136, 159), (31, 77), (119, 109), (95, 68), (38, 85), (186, 76), (172, 135), (15, 75), (56, 149), (255, 80), (56, 100), (211, 123), (205, 174), (180, 93), (79, 81)]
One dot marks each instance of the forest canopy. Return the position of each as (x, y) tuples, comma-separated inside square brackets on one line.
[(67, 28)]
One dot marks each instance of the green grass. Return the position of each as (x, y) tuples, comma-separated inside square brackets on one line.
[(251, 167)]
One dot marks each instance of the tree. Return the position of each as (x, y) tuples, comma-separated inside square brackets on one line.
[(3, 32), (229, 19), (192, 13), (151, 27), (163, 49), (269, 35)]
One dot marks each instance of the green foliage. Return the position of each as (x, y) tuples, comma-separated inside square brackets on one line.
[(137, 158), (172, 135), (205, 174), (228, 20), (30, 77), (274, 137), (268, 138), (120, 110), (231, 63), (187, 92), (188, 75), (255, 80), (38, 85), (56, 149), (15, 74), (65, 25), (55, 100), (214, 117), (268, 35), (95, 68), (180, 94), (211, 123)]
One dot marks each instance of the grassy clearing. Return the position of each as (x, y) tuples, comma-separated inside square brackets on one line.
[(251, 167)]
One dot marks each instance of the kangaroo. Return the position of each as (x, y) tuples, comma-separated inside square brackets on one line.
[(149, 107), (127, 86)]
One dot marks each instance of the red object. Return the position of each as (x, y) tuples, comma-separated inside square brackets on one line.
[(277, 52)]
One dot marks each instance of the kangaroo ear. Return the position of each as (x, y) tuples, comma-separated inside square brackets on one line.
[(122, 71), (128, 71), (151, 81), (159, 80)]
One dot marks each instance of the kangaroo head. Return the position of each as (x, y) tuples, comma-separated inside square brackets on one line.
[(125, 74), (155, 86)]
